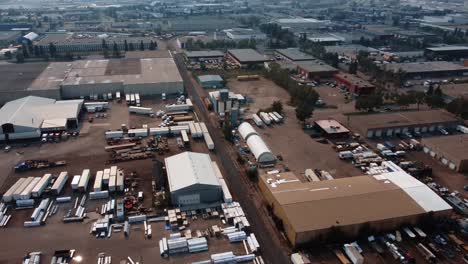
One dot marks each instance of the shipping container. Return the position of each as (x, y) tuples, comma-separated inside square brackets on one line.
[(204, 128), (176, 130), (59, 183), (280, 117), (127, 99), (199, 130), (75, 182), (139, 132), (98, 195), (273, 117), (353, 254), (258, 121), (84, 180), (140, 110), (119, 182), (8, 195), (158, 131), (117, 96), (265, 118), (113, 134), (97, 187), (24, 184), (137, 99), (26, 193), (112, 183), (209, 141), (40, 187), (178, 107), (185, 137), (132, 99)]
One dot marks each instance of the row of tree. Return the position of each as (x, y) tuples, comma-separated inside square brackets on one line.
[(303, 97)]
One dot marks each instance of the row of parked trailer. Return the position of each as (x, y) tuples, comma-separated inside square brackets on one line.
[(111, 177), (34, 187), (267, 118), (133, 99)]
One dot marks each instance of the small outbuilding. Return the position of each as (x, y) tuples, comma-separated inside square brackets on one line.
[(211, 81)]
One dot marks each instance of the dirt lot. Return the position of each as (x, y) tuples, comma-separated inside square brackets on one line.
[(87, 151), (298, 150)]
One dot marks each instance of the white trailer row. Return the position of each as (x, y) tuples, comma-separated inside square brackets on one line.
[(180, 107), (40, 187), (22, 187), (26, 193), (257, 120), (59, 183), (92, 107), (265, 118), (141, 110), (206, 135), (8, 196), (75, 182), (97, 187), (84, 180)]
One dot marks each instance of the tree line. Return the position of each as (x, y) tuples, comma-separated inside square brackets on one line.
[(302, 97)]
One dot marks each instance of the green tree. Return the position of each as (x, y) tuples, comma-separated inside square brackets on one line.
[(25, 52), (142, 46), (368, 103), (104, 44), (459, 107), (418, 97), (105, 53), (353, 67), (69, 56), (277, 106), (227, 131), (37, 51), (131, 47), (304, 111)]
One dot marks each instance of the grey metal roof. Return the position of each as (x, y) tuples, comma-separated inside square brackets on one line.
[(247, 55), (295, 54), (31, 111), (207, 53), (190, 168), (210, 78)]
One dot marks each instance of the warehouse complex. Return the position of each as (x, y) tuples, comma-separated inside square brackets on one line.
[(429, 69), (450, 150), (192, 179), (67, 80), (392, 124), (30, 116), (317, 211)]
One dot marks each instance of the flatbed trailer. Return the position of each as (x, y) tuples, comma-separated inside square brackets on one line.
[(28, 165)]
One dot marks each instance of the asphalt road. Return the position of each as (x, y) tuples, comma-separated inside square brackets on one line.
[(271, 246)]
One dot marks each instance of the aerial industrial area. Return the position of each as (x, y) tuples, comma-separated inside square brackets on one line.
[(202, 131)]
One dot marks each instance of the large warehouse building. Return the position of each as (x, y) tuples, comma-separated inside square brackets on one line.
[(28, 117), (257, 146), (319, 211), (452, 150), (428, 69), (145, 76), (392, 124), (193, 182), (67, 80)]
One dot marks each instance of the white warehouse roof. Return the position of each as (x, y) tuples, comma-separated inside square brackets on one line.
[(246, 130), (418, 191), (260, 150), (32, 111), (190, 168)]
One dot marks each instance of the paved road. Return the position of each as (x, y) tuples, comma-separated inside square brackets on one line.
[(271, 248)]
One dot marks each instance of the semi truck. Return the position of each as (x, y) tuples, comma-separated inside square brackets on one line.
[(28, 165)]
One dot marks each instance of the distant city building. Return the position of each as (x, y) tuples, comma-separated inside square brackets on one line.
[(301, 24), (448, 52), (354, 84), (430, 69), (244, 34), (315, 69), (74, 42), (199, 56), (246, 57)]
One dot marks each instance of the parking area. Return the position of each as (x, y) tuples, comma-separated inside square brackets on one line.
[(298, 150)]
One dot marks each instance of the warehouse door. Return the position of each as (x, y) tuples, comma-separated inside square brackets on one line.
[(189, 199), (8, 128)]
